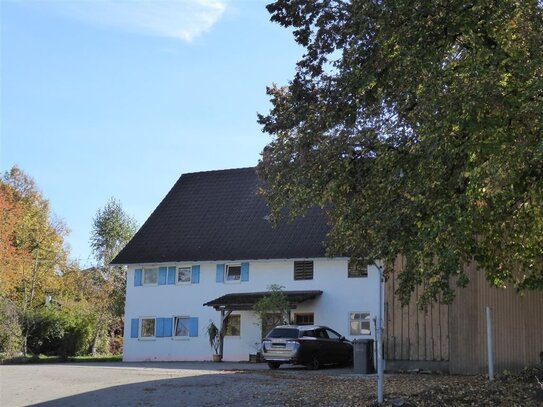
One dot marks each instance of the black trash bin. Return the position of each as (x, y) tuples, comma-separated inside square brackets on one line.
[(363, 356)]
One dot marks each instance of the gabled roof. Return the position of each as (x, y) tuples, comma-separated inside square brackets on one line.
[(217, 215)]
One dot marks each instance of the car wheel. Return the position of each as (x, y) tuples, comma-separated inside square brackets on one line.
[(274, 365), (314, 364)]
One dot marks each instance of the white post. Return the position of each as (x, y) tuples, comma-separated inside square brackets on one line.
[(489, 344), (380, 368)]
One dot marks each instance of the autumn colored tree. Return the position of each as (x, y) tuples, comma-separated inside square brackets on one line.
[(33, 240), (10, 213), (418, 125)]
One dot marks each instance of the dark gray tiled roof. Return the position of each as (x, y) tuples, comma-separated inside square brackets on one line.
[(247, 301), (217, 215)]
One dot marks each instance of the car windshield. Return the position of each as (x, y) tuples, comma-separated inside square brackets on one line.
[(283, 333)]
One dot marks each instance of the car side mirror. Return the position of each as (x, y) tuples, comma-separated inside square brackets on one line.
[(341, 339)]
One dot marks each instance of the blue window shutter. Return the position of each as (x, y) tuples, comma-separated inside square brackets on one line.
[(134, 325), (171, 275), (244, 271), (195, 278), (193, 327), (220, 273), (167, 326), (162, 275), (137, 277), (159, 327)]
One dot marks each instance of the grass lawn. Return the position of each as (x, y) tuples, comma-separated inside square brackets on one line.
[(58, 359)]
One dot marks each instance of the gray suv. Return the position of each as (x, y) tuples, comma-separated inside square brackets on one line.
[(309, 345)]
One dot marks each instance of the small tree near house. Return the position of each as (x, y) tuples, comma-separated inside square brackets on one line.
[(273, 309)]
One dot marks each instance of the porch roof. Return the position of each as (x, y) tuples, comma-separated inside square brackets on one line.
[(247, 301)]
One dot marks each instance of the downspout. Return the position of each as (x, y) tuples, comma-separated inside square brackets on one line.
[(379, 334)]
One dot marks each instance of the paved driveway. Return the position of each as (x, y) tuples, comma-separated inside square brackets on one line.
[(148, 384)]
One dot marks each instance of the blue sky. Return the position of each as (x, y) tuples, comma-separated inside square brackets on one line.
[(106, 98)]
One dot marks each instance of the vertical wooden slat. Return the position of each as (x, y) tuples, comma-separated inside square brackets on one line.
[(405, 327), (412, 324), (464, 329), (436, 335), (421, 330), (444, 331), (457, 334)]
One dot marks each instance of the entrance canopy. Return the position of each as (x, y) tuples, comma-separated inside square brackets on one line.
[(247, 301)]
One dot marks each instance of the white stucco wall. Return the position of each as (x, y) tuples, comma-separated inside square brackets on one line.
[(341, 295)]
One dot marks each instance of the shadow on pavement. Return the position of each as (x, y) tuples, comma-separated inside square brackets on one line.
[(204, 390)]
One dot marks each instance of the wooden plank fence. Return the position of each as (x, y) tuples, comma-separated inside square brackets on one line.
[(454, 335)]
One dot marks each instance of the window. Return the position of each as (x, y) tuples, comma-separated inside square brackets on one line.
[(321, 334), (183, 275), (333, 334), (233, 272), (357, 268), (359, 323), (303, 270), (147, 327), (150, 276), (311, 333), (233, 325), (304, 319), (181, 327)]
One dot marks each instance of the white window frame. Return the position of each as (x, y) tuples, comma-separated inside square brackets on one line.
[(180, 337), (145, 338), (145, 269), (177, 282), (360, 321), (227, 268), (302, 314)]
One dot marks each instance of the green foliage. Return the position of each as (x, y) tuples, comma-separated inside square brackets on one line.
[(62, 330), (274, 308), (37, 238), (112, 230), (418, 126), (34, 264), (11, 335), (213, 335)]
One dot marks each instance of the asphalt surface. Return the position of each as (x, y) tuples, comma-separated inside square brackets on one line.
[(149, 384)]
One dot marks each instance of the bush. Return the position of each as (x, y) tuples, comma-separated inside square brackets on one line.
[(63, 331), (11, 336)]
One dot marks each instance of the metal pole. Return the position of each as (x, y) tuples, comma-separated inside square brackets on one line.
[(380, 368), (489, 344)]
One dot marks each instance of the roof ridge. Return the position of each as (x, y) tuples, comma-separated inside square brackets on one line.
[(219, 170)]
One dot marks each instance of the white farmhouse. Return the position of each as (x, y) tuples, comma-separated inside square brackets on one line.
[(209, 250)]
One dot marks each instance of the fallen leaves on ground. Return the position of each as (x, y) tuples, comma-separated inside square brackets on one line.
[(411, 390)]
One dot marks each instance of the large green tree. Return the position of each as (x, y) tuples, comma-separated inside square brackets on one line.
[(112, 229), (418, 125)]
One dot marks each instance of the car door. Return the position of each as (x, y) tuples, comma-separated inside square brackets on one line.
[(326, 348), (310, 345), (338, 347)]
